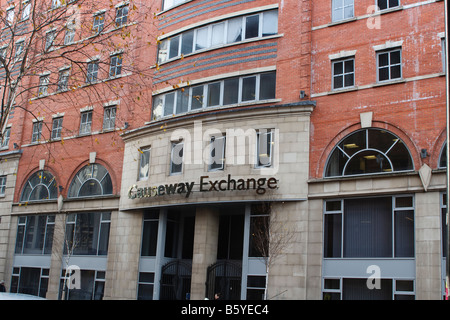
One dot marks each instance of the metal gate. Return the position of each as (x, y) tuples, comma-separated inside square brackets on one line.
[(175, 280), (225, 277)]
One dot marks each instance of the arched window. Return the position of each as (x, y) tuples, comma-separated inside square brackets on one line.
[(92, 180), (368, 151), (40, 186)]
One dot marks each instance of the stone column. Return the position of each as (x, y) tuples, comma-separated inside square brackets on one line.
[(123, 255), (428, 246), (205, 248)]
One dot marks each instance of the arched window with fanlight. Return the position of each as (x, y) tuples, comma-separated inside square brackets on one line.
[(91, 180), (369, 151), (40, 186)]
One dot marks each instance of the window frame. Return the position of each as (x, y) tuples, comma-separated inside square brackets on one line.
[(44, 81), (3, 179), (92, 71), (98, 22), (6, 137), (213, 165), (268, 133), (172, 164), (334, 8), (36, 131), (86, 122), (395, 210), (63, 79), (389, 65), (56, 128), (387, 5), (144, 159), (109, 118), (115, 65), (121, 18), (343, 74)]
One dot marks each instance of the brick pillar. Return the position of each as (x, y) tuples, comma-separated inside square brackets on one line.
[(205, 248)]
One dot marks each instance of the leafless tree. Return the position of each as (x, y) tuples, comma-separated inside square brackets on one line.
[(67, 52), (270, 235)]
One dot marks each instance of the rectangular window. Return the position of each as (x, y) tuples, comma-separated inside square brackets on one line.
[(92, 72), (121, 15), (145, 285), (264, 146), (369, 228), (86, 122), (443, 203), (256, 286), (28, 280), (270, 23), (249, 88), (197, 97), (389, 65), (43, 84), (201, 41), (217, 152), (115, 66), (35, 234), (387, 4), (87, 233), (150, 233), (217, 34), (213, 94), (343, 73), (342, 9), (37, 131), (176, 158), (10, 17), (267, 86), (69, 35), (174, 47), (56, 128), (231, 91), (187, 42), (144, 163), (109, 118), (251, 27), (19, 49), (49, 38), (63, 79), (98, 23), (2, 185), (26, 8), (6, 137), (234, 33), (92, 286)]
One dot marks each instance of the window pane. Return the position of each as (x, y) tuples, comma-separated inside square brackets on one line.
[(383, 4), (149, 238), (248, 88), (182, 101), (333, 236), (168, 105), (338, 68), (383, 59), (144, 164), (383, 74), (270, 23), (177, 158), (174, 45), (217, 34), (267, 86), (368, 228), (187, 42), (201, 41), (396, 72), (217, 153), (214, 94), (404, 233), (349, 80), (162, 51), (252, 27), (231, 91), (338, 82), (197, 98), (395, 57), (234, 30), (157, 108), (393, 3)]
